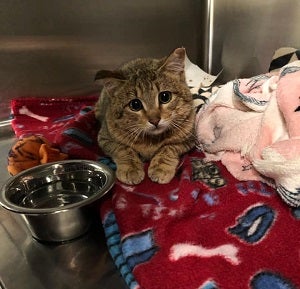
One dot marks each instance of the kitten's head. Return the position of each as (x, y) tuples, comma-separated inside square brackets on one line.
[(148, 97)]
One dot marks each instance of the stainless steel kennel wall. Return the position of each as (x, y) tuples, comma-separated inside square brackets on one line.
[(241, 36), (54, 48)]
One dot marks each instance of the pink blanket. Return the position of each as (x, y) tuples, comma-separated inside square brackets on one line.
[(252, 126)]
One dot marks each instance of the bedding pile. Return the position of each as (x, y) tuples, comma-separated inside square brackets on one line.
[(252, 126), (206, 229)]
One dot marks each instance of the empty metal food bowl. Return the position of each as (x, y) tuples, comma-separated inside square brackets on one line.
[(53, 198)]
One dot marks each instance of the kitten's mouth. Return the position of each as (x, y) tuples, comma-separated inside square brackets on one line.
[(157, 129)]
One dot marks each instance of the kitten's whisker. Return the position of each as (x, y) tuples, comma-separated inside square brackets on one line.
[(183, 130), (177, 126), (131, 138), (134, 133)]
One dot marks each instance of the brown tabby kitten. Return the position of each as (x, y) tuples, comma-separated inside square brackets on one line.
[(146, 114)]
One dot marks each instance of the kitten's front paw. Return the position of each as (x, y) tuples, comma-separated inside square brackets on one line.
[(130, 175), (161, 173)]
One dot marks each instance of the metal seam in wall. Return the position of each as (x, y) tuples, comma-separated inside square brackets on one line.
[(5, 123), (208, 24), (210, 32)]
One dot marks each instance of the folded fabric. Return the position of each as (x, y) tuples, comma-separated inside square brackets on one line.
[(40, 123), (31, 151), (78, 137), (251, 126), (203, 230), (46, 115), (228, 125)]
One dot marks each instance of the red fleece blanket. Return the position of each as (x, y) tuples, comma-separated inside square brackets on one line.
[(204, 230)]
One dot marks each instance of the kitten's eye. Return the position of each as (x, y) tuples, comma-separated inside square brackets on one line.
[(135, 104), (164, 97)]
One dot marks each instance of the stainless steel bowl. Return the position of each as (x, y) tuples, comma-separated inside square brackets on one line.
[(54, 198)]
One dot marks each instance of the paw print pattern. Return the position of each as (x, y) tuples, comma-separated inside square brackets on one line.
[(208, 173)]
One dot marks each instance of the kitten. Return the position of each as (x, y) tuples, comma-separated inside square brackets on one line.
[(146, 114)]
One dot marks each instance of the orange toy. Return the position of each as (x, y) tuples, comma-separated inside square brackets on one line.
[(32, 151)]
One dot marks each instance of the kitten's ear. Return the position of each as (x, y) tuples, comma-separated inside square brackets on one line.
[(175, 61), (110, 79)]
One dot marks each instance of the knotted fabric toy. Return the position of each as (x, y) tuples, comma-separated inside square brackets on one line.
[(32, 151)]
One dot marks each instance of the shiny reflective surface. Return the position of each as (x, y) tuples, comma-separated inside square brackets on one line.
[(241, 36), (54, 48), (53, 187), (28, 264), (52, 198), (60, 227)]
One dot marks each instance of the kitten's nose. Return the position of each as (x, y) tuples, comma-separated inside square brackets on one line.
[(155, 121)]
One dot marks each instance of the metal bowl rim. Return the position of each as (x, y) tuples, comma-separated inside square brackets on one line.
[(7, 204)]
